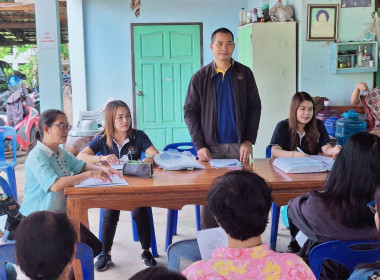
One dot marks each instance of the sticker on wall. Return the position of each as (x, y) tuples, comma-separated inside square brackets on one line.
[(356, 3), (47, 40)]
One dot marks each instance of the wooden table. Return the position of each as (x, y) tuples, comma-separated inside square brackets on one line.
[(174, 189)]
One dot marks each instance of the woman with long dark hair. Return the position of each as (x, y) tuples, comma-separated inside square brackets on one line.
[(339, 211), (302, 130), (119, 139)]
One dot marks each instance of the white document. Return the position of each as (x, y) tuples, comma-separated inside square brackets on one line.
[(209, 240), (119, 166), (91, 182), (219, 163), (300, 165), (3, 221), (301, 238), (326, 161)]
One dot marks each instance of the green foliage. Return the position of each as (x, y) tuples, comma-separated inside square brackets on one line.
[(30, 69), (4, 51)]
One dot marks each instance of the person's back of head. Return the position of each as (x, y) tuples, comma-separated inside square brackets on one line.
[(353, 180), (45, 245), (240, 202), (157, 273)]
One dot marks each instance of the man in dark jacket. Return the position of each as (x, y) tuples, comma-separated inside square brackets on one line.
[(222, 107)]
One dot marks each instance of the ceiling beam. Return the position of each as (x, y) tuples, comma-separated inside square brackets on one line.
[(24, 25)]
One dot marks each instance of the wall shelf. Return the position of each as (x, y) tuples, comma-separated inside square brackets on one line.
[(347, 51)]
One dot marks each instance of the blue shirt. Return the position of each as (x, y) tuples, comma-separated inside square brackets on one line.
[(42, 168), (227, 130), (133, 148)]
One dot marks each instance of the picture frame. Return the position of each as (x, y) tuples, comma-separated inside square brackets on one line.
[(322, 22)]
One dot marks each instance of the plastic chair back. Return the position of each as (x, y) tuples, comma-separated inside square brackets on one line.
[(187, 249), (7, 254), (181, 147), (268, 151), (6, 131), (345, 253), (85, 255)]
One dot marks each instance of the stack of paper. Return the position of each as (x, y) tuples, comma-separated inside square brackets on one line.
[(116, 181), (219, 163), (304, 164)]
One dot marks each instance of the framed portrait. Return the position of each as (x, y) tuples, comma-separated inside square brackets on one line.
[(322, 22)]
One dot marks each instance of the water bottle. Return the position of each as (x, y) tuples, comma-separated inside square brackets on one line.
[(242, 17), (348, 125), (265, 7)]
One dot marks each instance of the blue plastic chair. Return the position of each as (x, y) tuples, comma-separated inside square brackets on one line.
[(83, 253), (187, 249), (171, 226), (9, 167), (344, 253), (275, 213), (153, 243)]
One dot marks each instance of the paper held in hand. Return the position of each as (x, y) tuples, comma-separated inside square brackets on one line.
[(209, 240), (304, 164)]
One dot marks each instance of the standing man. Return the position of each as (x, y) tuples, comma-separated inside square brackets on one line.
[(222, 108)]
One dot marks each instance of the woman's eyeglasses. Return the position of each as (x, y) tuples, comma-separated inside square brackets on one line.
[(63, 126), (372, 206)]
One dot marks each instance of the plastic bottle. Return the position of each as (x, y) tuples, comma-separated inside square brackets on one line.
[(365, 57), (254, 15), (243, 17), (348, 125), (265, 7), (359, 56), (326, 112)]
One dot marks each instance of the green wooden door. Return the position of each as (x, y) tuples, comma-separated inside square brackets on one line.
[(165, 57)]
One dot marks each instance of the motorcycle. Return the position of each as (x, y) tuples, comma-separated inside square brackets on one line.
[(26, 129)]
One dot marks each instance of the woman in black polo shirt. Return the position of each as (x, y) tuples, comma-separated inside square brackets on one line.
[(116, 140), (302, 130)]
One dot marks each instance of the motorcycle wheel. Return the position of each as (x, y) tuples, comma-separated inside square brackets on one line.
[(33, 134)]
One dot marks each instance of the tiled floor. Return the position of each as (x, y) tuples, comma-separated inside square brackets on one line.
[(125, 252)]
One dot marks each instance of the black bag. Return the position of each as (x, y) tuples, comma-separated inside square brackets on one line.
[(138, 168), (11, 208)]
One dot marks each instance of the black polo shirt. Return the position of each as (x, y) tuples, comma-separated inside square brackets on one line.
[(133, 148), (281, 137)]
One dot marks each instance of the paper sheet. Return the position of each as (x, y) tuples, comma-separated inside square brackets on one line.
[(119, 166), (209, 240), (219, 163), (326, 161), (116, 181), (3, 221)]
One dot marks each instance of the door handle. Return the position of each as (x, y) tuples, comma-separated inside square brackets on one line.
[(139, 93)]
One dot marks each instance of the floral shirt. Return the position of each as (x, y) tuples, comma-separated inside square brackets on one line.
[(249, 263)]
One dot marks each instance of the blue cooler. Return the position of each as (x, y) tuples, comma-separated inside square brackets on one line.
[(348, 125), (330, 125)]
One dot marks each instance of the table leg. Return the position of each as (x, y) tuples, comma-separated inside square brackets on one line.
[(74, 212)]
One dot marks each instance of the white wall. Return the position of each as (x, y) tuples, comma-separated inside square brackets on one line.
[(108, 38)]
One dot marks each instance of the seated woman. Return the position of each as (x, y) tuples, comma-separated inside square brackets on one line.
[(119, 139), (49, 169), (339, 211), (370, 271), (362, 96), (45, 247), (240, 202), (302, 131)]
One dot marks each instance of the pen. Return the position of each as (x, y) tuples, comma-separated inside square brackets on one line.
[(299, 150)]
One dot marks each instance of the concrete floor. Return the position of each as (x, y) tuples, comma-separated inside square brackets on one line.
[(125, 252)]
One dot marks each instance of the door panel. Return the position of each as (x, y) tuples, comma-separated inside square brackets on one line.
[(165, 58)]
